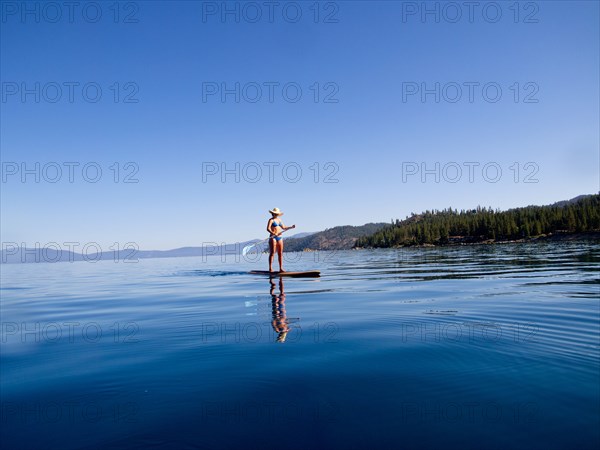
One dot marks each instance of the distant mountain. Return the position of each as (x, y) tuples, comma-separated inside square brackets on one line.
[(336, 238), (33, 255), (14, 255), (301, 235), (573, 200)]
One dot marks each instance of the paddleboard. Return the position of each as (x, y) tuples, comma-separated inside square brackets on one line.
[(310, 273)]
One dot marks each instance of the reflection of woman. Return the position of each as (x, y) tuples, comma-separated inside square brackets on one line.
[(275, 227), (279, 320)]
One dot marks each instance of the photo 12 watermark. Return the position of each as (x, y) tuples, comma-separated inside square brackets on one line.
[(322, 12), (88, 92), (69, 172), (67, 412), (268, 411), (471, 412), (270, 92), (469, 172), (257, 251), (73, 12), (467, 332), (269, 172), (450, 12), (69, 332), (268, 331), (71, 251), (469, 92)]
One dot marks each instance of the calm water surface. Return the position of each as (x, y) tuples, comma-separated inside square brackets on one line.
[(478, 347)]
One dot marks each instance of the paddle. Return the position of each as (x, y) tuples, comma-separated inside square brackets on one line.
[(247, 248)]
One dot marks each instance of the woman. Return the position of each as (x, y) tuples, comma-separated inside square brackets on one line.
[(275, 227)]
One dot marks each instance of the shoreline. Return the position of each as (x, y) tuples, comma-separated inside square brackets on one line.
[(460, 241)]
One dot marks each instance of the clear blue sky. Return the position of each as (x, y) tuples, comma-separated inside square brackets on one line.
[(368, 54)]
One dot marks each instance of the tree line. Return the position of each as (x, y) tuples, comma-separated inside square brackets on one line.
[(451, 226)]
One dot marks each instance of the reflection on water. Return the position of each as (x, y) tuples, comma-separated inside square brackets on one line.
[(280, 321), (464, 347)]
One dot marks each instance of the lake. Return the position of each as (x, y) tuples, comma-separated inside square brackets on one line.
[(470, 347)]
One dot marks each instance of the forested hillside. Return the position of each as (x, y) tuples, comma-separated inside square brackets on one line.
[(451, 226)]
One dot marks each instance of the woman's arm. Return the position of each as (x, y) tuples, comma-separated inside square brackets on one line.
[(287, 228), (269, 227)]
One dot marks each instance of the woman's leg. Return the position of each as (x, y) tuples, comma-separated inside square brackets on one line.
[(271, 253), (280, 254)]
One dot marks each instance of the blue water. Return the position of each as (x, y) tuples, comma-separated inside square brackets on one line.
[(472, 347)]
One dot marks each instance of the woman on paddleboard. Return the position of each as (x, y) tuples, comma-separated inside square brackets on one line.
[(275, 227)]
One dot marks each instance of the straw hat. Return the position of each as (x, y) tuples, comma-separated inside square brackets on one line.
[(276, 211)]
